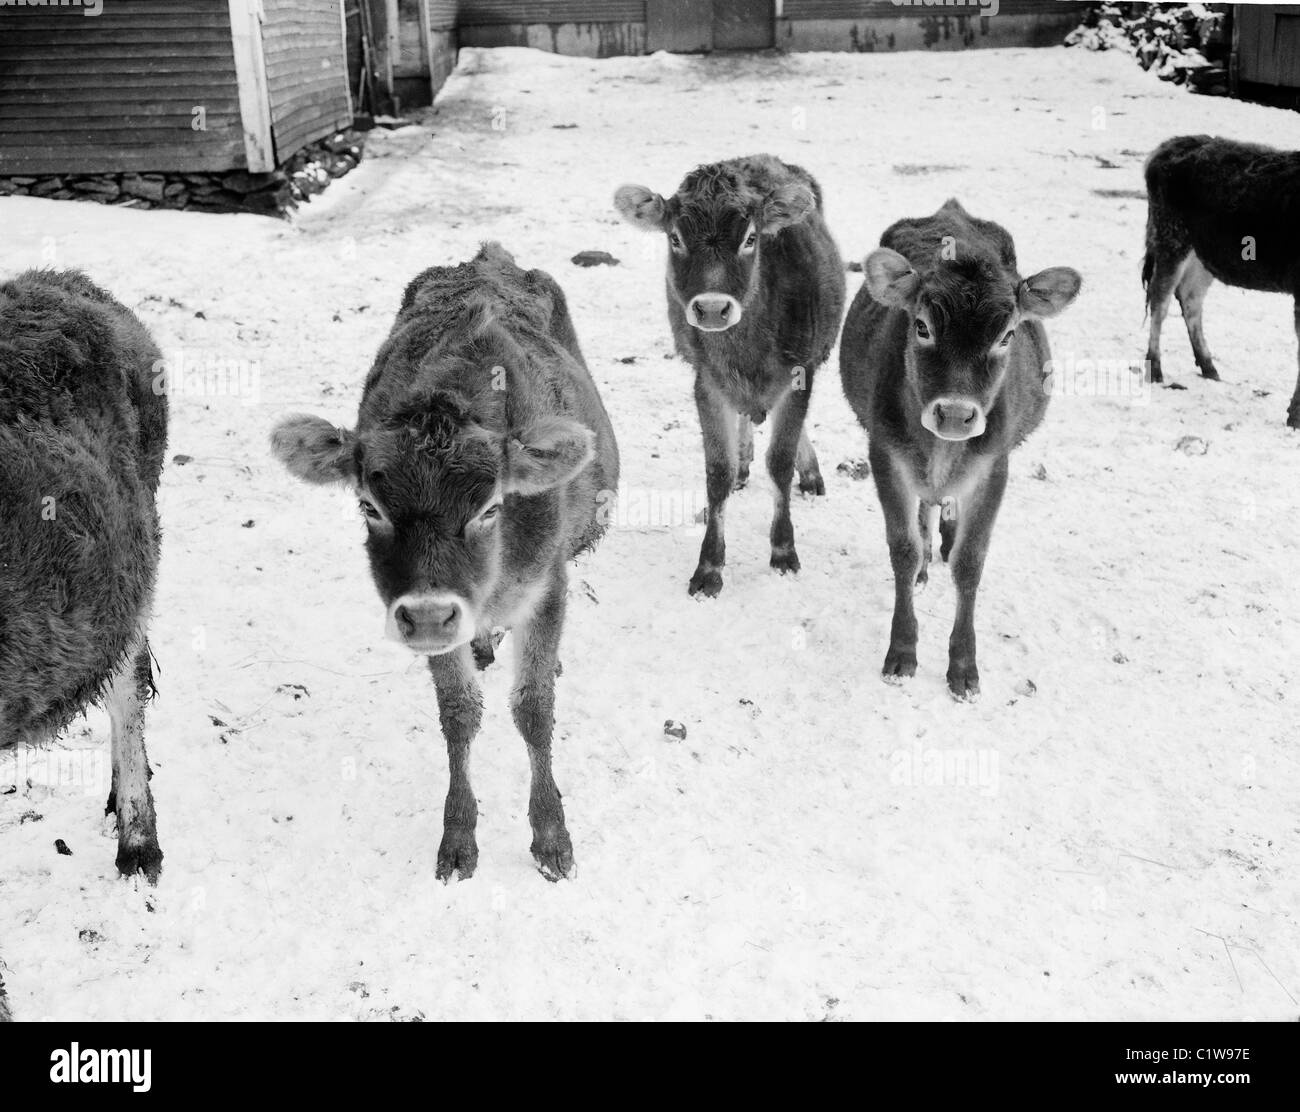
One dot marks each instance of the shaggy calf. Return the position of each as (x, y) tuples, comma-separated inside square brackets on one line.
[(943, 360), (82, 437), (1219, 209), (483, 461), (755, 295)]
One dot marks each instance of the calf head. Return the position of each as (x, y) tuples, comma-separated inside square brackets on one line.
[(962, 324), (435, 489), (715, 224)]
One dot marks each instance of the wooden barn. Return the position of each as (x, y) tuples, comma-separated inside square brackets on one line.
[(104, 86), (414, 42), (1266, 53)]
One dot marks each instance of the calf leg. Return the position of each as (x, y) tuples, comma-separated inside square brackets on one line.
[(1293, 410), (805, 462), (947, 528), (1168, 263), (718, 425), (975, 527), (129, 689), (787, 429), (927, 542), (1196, 280), (745, 440), (902, 512), (460, 710), (533, 705)]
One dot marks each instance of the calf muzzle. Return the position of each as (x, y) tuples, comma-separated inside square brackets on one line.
[(954, 418), (430, 623), (713, 312)]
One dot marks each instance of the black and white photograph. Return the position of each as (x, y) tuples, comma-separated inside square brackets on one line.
[(650, 510)]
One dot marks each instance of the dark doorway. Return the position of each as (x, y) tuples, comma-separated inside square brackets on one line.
[(743, 24), (695, 25)]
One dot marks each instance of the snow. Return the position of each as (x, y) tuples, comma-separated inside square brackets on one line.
[(1122, 843)]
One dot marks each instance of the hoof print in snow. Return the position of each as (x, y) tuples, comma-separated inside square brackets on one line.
[(594, 258), (1192, 445), (1026, 687), (855, 469), (674, 730), (1039, 472)]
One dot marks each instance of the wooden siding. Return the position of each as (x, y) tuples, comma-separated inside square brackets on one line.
[(116, 91), (306, 71), (884, 9), (479, 12), (443, 14), (1268, 44)]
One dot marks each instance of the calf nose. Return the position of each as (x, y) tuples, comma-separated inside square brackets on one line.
[(954, 418), (714, 312), (424, 620)]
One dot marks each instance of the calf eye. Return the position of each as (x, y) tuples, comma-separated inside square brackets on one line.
[(1007, 338), (675, 241), (922, 329), (369, 511), (490, 514), (750, 241)]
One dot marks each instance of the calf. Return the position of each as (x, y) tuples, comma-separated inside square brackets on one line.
[(82, 436), (943, 360), (1219, 209), (755, 295), (483, 461)]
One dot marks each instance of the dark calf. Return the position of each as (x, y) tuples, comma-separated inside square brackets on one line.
[(483, 461), (82, 437), (943, 360), (1219, 209), (755, 295)]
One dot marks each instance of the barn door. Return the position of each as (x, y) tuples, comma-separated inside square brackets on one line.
[(683, 26), (695, 25), (743, 24)]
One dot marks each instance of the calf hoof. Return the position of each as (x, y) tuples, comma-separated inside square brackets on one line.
[(812, 483), (706, 582), (553, 852), (457, 854), (964, 681), (1293, 419), (742, 479), (785, 559), (137, 856), (1154, 374), (899, 664), (1210, 373)]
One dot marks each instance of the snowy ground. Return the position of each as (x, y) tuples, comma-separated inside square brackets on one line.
[(1121, 843)]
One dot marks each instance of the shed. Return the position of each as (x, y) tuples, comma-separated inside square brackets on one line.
[(104, 86), (1266, 53)]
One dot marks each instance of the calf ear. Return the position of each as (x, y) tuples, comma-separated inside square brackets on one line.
[(890, 277), (788, 204), (638, 205), (314, 450), (1049, 291), (547, 454)]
